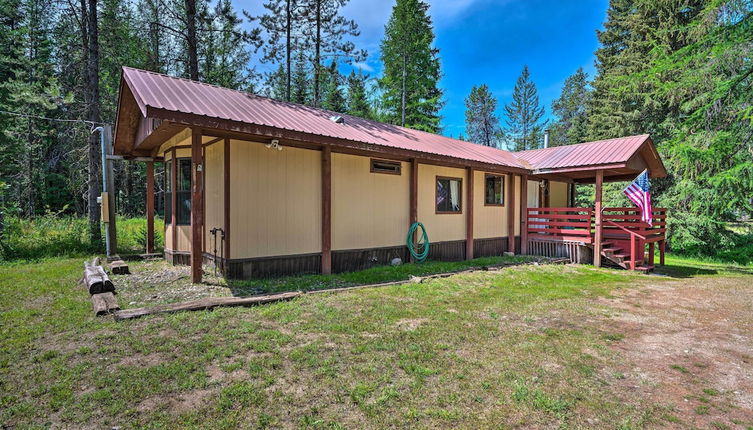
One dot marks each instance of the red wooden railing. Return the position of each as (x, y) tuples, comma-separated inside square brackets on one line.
[(621, 226), (574, 224)]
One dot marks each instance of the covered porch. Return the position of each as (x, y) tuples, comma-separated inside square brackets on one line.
[(598, 235)]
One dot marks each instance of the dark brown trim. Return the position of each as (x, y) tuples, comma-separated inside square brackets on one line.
[(469, 214), (523, 214), (413, 191), (397, 164), (203, 198), (197, 206), (212, 142), (149, 207), (326, 209), (226, 214), (460, 189), (174, 198), (495, 175), (222, 127), (511, 214)]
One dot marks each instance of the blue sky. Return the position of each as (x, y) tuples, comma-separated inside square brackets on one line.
[(489, 41)]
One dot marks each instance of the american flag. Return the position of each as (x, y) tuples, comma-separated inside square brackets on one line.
[(639, 194)]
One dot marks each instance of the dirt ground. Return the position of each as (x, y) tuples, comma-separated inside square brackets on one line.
[(688, 344)]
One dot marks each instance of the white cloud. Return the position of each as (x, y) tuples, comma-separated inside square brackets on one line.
[(363, 66)]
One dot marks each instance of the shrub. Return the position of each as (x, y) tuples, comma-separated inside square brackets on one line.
[(53, 235)]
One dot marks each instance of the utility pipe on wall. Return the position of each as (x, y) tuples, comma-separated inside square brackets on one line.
[(108, 186)]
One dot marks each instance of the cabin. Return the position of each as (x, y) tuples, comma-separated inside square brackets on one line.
[(264, 188)]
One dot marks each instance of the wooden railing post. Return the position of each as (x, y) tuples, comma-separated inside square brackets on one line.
[(598, 215), (632, 251)]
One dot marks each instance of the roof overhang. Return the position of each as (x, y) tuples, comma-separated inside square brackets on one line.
[(646, 157)]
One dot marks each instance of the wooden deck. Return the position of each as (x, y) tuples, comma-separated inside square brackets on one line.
[(626, 240)]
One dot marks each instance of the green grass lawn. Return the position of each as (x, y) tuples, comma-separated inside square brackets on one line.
[(475, 350)]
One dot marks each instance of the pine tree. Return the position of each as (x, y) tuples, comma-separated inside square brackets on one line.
[(523, 115), (571, 125), (224, 51), (281, 19), (300, 90), (328, 35), (334, 99), (358, 104), (481, 120), (411, 96), (276, 84)]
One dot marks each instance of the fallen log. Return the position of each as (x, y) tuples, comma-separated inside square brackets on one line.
[(104, 303), (96, 280), (201, 304)]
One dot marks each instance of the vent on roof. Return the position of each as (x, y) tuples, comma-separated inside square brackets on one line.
[(337, 118)]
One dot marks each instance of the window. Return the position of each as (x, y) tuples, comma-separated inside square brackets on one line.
[(182, 191), (449, 195), (383, 166), (494, 190)]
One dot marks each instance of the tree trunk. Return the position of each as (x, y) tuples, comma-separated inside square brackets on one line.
[(91, 96), (153, 62), (402, 94), (191, 42), (288, 29), (317, 54)]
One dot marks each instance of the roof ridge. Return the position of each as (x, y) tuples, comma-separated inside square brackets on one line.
[(644, 135)]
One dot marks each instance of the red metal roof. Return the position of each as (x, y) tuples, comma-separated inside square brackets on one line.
[(156, 91), (182, 95), (609, 151)]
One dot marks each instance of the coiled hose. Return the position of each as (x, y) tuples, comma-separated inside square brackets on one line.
[(420, 249)]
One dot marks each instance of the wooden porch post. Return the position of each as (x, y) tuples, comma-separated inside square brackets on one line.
[(149, 207), (523, 214), (597, 214), (413, 211), (226, 214), (197, 205), (174, 203), (511, 214), (469, 215), (326, 209)]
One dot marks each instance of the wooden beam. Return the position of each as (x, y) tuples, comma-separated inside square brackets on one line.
[(413, 210), (205, 303), (197, 205), (597, 215), (226, 215), (149, 207), (523, 214), (469, 214), (174, 200), (326, 209), (511, 213)]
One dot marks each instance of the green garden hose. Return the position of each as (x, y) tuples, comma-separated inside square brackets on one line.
[(420, 249)]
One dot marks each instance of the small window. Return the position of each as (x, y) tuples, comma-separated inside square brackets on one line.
[(383, 166), (182, 191), (494, 190), (449, 195)]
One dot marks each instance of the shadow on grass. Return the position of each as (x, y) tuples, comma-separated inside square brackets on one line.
[(681, 271), (374, 275)]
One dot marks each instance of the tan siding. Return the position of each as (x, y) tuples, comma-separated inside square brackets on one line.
[(440, 227), (214, 194), (184, 238), (369, 210), (557, 194), (488, 221), (276, 206)]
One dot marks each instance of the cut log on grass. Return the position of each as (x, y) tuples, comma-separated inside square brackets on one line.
[(119, 267), (96, 280), (104, 303), (208, 303)]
